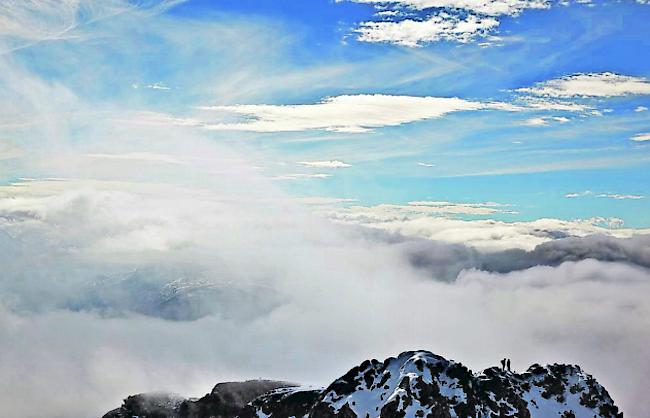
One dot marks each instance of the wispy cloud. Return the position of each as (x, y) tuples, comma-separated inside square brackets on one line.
[(153, 86), (299, 176), (616, 196), (621, 196), (325, 164), (486, 7), (641, 137), (393, 212), (590, 85), (545, 121), (27, 22)]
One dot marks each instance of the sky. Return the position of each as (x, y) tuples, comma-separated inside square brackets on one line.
[(468, 177)]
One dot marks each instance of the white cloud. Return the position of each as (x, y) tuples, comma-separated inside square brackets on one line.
[(536, 122), (459, 21), (298, 176), (540, 103), (616, 196), (325, 164), (349, 114), (421, 164), (487, 235), (387, 212), (81, 233), (640, 109), (158, 86), (545, 121), (620, 196), (439, 27), (485, 7), (578, 194), (590, 85), (641, 137)]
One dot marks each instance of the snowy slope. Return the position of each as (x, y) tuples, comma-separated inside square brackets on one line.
[(421, 384), (416, 384)]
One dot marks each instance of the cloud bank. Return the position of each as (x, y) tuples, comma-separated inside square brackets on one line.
[(231, 283)]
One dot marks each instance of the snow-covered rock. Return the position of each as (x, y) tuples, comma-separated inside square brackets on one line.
[(416, 384), (423, 385)]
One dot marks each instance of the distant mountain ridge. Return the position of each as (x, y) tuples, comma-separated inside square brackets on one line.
[(416, 384)]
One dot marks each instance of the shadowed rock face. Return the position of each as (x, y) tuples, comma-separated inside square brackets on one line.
[(416, 384), (225, 401)]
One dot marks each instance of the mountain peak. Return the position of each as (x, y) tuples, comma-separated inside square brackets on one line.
[(415, 384)]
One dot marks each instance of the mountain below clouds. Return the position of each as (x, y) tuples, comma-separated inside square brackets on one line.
[(416, 384)]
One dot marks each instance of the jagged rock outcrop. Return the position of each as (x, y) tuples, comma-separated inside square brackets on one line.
[(226, 400), (416, 384)]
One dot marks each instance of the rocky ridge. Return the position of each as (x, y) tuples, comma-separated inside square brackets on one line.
[(416, 384)]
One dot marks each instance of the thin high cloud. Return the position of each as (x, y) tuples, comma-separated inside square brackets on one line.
[(24, 23)]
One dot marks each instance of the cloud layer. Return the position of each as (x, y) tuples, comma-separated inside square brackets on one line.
[(276, 275)]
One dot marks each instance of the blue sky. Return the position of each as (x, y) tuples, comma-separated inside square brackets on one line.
[(176, 59)]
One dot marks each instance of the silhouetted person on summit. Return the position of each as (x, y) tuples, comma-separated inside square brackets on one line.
[(503, 364), (508, 364)]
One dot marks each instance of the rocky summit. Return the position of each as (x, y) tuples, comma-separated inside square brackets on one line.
[(416, 384)]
